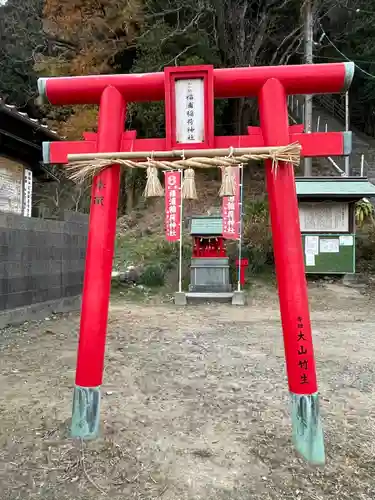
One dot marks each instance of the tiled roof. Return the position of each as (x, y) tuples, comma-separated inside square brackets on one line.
[(334, 187), (33, 123), (206, 225)]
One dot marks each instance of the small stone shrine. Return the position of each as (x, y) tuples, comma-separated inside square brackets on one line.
[(209, 270)]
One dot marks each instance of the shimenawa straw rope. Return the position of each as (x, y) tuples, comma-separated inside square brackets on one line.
[(189, 191), (153, 185), (85, 166)]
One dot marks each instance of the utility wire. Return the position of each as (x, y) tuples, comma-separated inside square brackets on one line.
[(356, 10), (343, 55), (331, 58)]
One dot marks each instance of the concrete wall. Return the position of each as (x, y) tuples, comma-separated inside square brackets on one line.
[(41, 261)]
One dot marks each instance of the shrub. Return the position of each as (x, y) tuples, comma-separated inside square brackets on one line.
[(365, 249), (153, 276), (257, 238)]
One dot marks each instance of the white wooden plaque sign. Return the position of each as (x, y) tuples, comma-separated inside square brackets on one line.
[(324, 217), (189, 110), (11, 186), (27, 192)]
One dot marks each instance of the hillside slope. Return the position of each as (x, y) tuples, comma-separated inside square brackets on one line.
[(141, 242)]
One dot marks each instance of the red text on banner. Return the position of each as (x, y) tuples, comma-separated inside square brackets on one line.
[(172, 205), (231, 210)]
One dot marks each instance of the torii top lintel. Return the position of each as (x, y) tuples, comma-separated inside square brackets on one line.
[(190, 124), (227, 83)]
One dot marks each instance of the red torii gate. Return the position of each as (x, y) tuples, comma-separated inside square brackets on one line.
[(271, 85)]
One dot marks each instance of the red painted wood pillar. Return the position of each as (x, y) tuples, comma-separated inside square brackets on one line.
[(291, 280), (98, 270)]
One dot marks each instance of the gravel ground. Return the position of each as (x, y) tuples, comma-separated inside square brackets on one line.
[(194, 405)]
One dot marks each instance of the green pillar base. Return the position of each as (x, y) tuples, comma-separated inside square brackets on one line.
[(307, 429), (86, 412)]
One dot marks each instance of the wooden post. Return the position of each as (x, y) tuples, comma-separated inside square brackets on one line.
[(290, 271), (98, 270), (347, 125)]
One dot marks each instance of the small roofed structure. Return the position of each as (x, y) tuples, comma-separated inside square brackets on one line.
[(327, 221), (21, 144), (209, 270), (207, 233)]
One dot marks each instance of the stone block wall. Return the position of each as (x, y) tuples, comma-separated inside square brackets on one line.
[(41, 260)]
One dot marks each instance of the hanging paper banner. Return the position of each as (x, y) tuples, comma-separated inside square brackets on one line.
[(172, 205), (230, 210)]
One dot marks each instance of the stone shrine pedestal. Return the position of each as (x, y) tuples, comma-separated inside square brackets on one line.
[(210, 275)]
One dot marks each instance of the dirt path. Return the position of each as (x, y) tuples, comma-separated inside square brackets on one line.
[(194, 405)]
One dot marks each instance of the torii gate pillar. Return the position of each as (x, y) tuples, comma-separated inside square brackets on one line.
[(291, 280), (98, 271), (271, 85)]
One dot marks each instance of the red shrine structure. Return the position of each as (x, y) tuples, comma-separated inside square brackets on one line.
[(209, 268), (193, 127), (208, 247)]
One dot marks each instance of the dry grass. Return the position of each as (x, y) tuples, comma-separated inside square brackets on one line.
[(194, 405)]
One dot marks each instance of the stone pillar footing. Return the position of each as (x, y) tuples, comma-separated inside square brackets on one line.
[(238, 298), (86, 412), (180, 299)]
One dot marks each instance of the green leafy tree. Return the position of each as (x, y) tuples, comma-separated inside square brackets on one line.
[(346, 31), (220, 32), (22, 38)]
